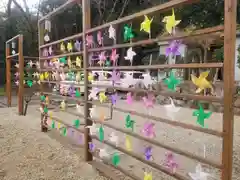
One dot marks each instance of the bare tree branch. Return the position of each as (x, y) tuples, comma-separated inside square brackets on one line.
[(123, 8), (110, 14)]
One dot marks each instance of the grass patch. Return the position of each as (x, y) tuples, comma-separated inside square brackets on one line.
[(2, 91)]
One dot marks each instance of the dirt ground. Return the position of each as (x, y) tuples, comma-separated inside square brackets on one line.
[(26, 153)]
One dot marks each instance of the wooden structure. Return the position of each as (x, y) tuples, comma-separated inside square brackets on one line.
[(229, 29), (13, 58)]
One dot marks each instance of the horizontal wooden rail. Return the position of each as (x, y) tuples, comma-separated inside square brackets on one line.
[(172, 94), (161, 7), (165, 121), (12, 39), (61, 55), (64, 70), (159, 119), (161, 66), (58, 10), (12, 56), (159, 144), (65, 124), (31, 58), (139, 158), (61, 40), (200, 32)]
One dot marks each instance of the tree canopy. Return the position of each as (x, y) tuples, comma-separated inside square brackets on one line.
[(17, 19)]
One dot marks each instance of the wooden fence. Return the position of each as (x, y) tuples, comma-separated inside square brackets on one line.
[(21, 73), (88, 48)]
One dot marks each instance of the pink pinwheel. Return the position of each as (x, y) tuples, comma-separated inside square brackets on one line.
[(45, 52), (170, 162), (102, 56), (148, 130), (115, 76), (16, 74), (129, 98), (114, 56), (173, 48), (89, 39), (149, 101), (17, 83), (50, 64), (77, 45), (99, 38)]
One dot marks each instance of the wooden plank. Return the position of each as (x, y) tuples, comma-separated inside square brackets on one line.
[(86, 11), (230, 8)]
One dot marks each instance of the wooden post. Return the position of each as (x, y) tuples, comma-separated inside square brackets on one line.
[(230, 8), (86, 25), (8, 77), (40, 42), (21, 75)]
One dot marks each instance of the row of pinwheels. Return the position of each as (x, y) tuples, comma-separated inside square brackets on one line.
[(32, 77)]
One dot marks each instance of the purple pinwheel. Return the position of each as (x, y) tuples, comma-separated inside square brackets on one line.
[(91, 146), (114, 98), (148, 153), (115, 76), (173, 48), (148, 130), (77, 45), (170, 162), (71, 91)]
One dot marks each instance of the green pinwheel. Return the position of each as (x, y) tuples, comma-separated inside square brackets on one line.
[(77, 123), (53, 124), (77, 93), (64, 131), (129, 122), (101, 133), (128, 33), (63, 60), (29, 83), (115, 159), (42, 98), (201, 115), (172, 81)]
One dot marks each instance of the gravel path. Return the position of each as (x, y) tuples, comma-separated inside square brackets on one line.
[(28, 154)]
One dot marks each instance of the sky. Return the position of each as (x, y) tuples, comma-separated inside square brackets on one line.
[(31, 3)]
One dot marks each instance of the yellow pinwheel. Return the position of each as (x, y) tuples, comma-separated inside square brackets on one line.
[(78, 62), (201, 82), (102, 97), (46, 75), (41, 77), (170, 22), (62, 47), (69, 47), (128, 143), (63, 105), (90, 77), (146, 24), (147, 176), (59, 126)]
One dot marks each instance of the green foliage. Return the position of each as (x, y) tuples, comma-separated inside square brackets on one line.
[(238, 57)]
